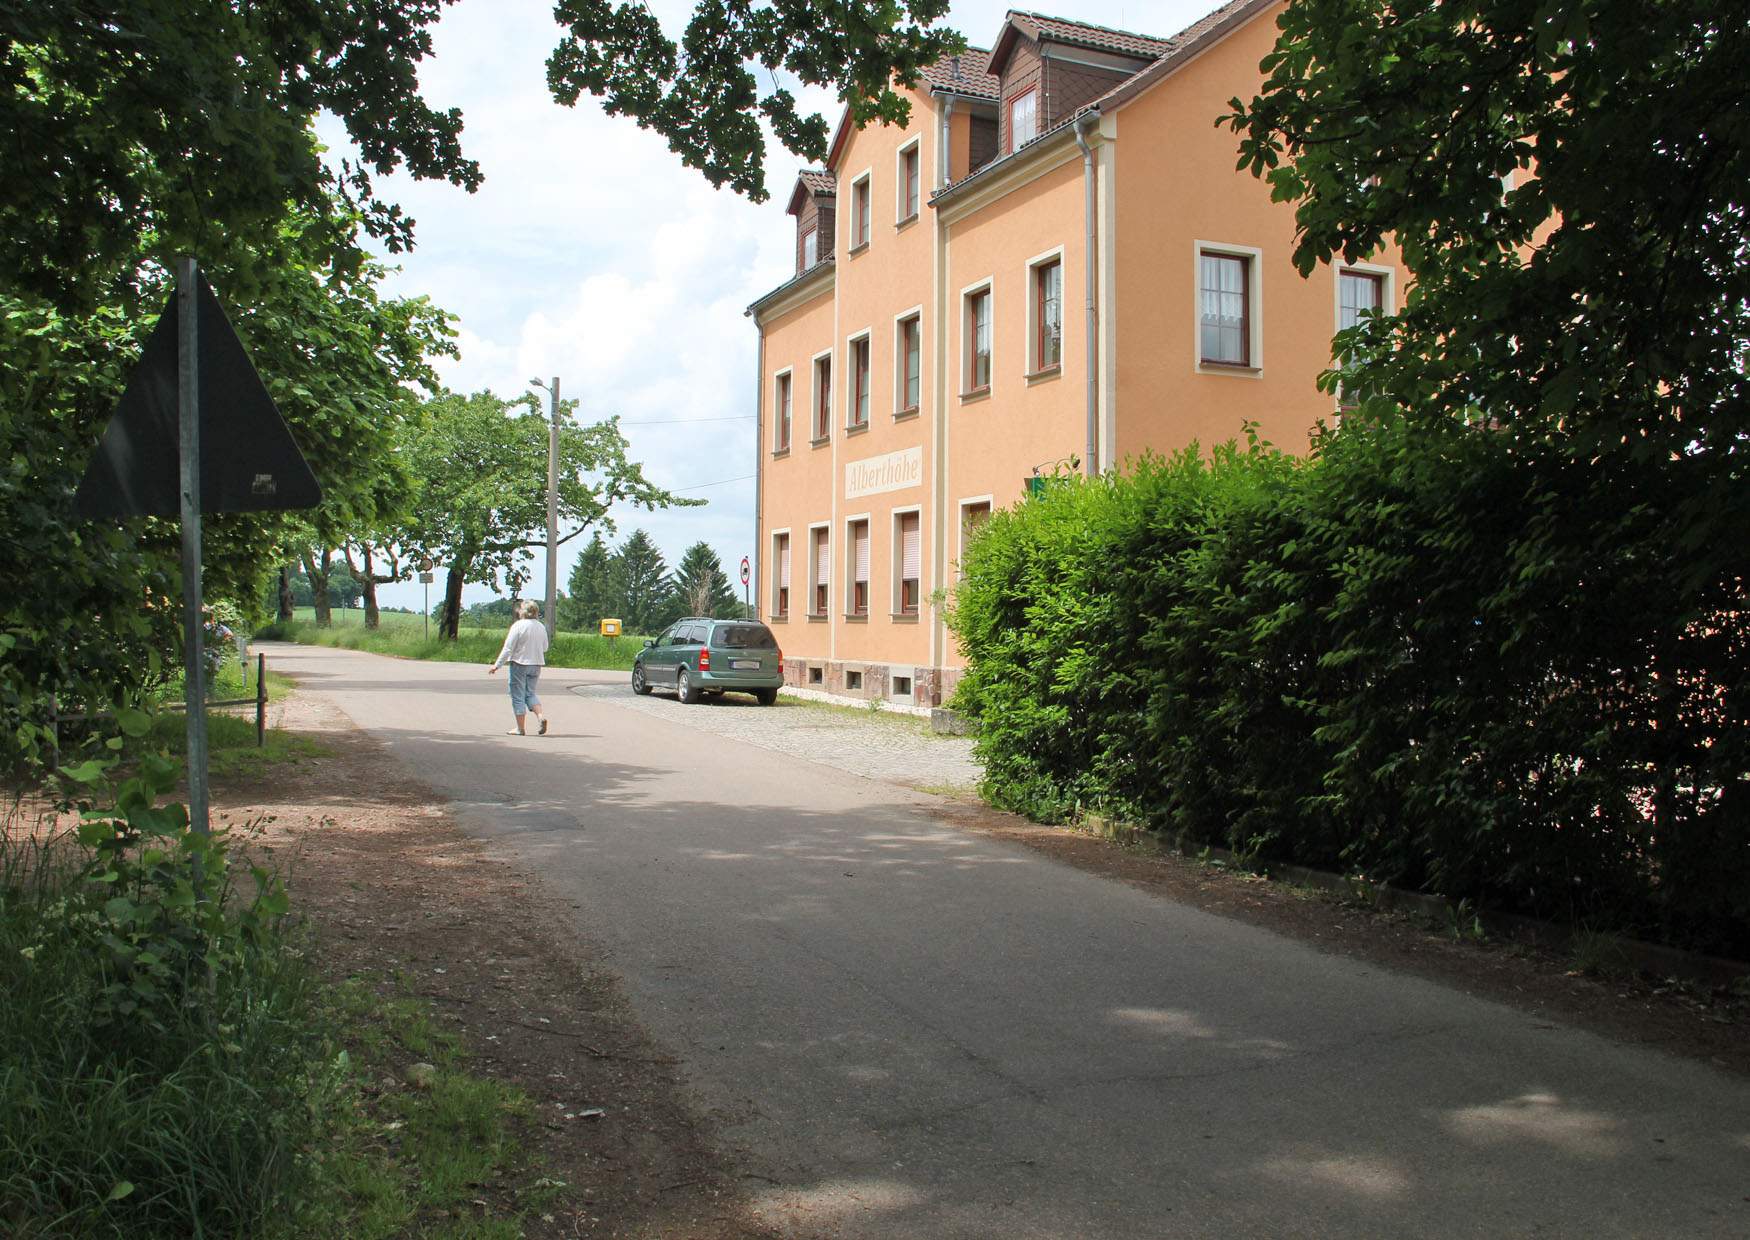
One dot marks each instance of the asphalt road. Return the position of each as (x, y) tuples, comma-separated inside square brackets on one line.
[(916, 1032)]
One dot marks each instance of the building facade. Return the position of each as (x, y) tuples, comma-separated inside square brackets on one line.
[(1053, 266)]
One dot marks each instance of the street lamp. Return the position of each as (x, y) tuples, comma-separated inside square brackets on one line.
[(552, 502)]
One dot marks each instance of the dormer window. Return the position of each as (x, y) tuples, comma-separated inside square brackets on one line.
[(810, 248), (1023, 118)]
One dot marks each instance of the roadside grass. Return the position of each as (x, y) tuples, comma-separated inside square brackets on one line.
[(256, 1101), (873, 709), (411, 1159), (231, 748), (472, 645)]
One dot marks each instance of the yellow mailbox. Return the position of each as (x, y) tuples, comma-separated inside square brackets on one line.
[(610, 628)]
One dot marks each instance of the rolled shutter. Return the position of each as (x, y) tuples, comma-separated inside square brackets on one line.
[(862, 551), (911, 548), (784, 563), (822, 559)]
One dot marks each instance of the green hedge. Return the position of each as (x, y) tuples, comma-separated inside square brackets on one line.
[(1441, 659)]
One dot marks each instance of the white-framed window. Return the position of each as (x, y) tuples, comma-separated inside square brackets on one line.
[(819, 570), (1230, 309), (857, 380), (860, 209), (780, 574), (857, 566), (1045, 311), (908, 181), (821, 403), (974, 512), (1023, 118), (810, 247), (1362, 288), (908, 361), (908, 561), (781, 411), (975, 338)]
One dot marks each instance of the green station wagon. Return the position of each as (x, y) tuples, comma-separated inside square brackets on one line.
[(699, 657)]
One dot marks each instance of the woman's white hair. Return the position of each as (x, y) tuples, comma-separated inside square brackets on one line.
[(530, 610)]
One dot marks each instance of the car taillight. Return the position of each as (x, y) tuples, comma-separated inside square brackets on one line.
[(704, 659), (780, 662)]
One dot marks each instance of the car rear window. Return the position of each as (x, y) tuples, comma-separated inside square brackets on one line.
[(743, 637)]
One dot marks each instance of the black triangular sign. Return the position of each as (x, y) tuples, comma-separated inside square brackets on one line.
[(249, 461)]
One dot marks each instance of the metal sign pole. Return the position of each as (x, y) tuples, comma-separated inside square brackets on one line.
[(193, 636)]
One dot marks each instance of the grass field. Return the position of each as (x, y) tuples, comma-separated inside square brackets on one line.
[(404, 635)]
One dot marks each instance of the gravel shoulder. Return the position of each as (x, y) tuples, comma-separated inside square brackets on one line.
[(886, 746)]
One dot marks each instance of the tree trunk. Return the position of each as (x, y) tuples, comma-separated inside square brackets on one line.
[(317, 572), (372, 619), (285, 593), (450, 619)]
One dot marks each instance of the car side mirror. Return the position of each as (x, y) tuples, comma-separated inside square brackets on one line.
[(649, 642)]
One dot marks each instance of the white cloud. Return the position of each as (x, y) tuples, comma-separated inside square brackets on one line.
[(591, 253)]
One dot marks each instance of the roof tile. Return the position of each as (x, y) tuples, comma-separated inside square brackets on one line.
[(1086, 34), (965, 74)]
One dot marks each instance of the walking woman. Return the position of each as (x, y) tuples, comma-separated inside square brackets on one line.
[(525, 649)]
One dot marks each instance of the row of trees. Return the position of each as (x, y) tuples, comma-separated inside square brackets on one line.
[(468, 482), (633, 583)]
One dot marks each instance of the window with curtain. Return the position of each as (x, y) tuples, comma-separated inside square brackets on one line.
[(1023, 119), (859, 532), (781, 415), (810, 248), (823, 398), (910, 563), (1358, 293), (1226, 319), (860, 213), (860, 382), (908, 168), (978, 338), (822, 570), (910, 353), (781, 599), (1048, 314)]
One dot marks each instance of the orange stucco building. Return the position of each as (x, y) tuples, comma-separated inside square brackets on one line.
[(1054, 265)]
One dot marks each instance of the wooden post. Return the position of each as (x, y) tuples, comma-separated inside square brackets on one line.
[(260, 701)]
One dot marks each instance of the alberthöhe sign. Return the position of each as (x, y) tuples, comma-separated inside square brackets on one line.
[(893, 472)]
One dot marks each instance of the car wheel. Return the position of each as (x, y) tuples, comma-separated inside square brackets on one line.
[(683, 688), (639, 684), (766, 697)]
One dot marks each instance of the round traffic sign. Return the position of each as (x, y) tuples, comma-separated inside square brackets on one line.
[(425, 565), (746, 571)]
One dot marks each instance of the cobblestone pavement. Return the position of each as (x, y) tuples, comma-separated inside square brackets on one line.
[(893, 748)]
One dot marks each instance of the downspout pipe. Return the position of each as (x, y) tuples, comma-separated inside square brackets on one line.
[(759, 475), (1090, 262), (944, 171)]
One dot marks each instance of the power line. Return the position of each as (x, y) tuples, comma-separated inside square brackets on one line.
[(703, 485)]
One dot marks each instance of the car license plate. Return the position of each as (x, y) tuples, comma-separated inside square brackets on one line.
[(745, 665)]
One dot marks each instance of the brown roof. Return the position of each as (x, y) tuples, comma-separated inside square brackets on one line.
[(1085, 34), (966, 74), (1211, 28), (811, 181)]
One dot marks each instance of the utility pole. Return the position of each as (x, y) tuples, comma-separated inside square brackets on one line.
[(552, 504)]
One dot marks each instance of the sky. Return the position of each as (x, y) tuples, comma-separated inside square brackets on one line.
[(593, 255)]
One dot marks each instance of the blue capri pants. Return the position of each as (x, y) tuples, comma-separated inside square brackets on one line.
[(522, 686)]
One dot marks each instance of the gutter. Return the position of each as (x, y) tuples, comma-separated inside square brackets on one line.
[(1090, 262), (759, 478)]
